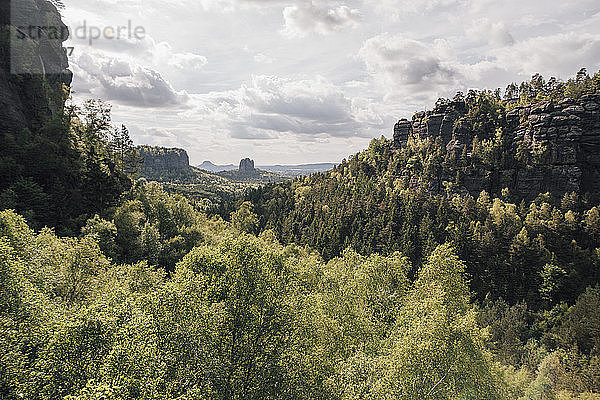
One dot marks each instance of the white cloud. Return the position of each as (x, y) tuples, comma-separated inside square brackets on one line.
[(229, 6), (207, 66), (162, 54), (263, 59), (118, 80), (406, 67), (271, 106), (322, 19), (146, 49), (483, 30), (396, 9), (556, 55), (155, 136)]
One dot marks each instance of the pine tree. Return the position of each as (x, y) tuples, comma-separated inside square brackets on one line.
[(124, 154)]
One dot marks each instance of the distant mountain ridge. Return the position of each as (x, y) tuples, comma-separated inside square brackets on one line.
[(284, 170), (209, 166), (298, 170)]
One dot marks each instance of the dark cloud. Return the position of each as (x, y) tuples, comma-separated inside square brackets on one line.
[(308, 107)]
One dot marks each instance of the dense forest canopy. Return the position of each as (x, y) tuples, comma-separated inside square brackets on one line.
[(242, 316)]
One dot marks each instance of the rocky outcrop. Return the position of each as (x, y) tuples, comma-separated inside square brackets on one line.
[(33, 65), (156, 159), (556, 147), (430, 124), (247, 166), (163, 164), (565, 138), (402, 132)]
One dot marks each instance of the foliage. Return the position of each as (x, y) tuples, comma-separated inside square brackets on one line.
[(63, 172), (541, 251), (538, 89), (437, 350), (154, 226), (244, 218), (242, 316)]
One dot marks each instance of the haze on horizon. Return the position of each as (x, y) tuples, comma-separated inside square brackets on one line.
[(296, 82)]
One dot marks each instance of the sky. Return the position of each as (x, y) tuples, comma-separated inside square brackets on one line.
[(306, 81)]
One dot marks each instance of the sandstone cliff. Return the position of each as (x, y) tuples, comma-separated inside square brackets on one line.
[(30, 93), (47, 172), (560, 140), (161, 160)]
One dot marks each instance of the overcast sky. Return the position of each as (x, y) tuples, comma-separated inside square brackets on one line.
[(312, 81)]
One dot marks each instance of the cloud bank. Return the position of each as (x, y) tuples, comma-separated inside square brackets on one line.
[(314, 80)]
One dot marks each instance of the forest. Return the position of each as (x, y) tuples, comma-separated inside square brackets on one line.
[(347, 284)]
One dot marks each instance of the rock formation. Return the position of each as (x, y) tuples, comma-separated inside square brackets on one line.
[(158, 159), (247, 166), (27, 100), (564, 136), (163, 164), (426, 124)]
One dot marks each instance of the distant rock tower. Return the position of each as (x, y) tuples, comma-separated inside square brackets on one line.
[(247, 165)]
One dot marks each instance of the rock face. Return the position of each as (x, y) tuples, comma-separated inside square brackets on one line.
[(402, 131), (247, 166), (31, 93), (561, 140), (157, 159), (429, 124), (567, 136)]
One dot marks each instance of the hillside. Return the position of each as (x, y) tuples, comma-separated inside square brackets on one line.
[(512, 183)]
